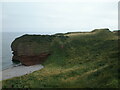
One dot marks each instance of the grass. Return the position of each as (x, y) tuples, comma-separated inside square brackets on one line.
[(85, 61)]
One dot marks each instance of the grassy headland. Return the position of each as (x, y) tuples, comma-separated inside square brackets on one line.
[(82, 60)]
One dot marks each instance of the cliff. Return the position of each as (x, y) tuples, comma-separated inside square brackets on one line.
[(33, 49)]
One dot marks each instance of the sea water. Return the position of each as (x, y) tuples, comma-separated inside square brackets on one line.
[(7, 39)]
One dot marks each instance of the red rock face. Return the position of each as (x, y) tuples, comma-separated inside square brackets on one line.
[(31, 60), (33, 49)]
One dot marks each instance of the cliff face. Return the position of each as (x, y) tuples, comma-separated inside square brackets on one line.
[(33, 49)]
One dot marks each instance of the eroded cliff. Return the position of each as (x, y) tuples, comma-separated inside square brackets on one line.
[(33, 49)]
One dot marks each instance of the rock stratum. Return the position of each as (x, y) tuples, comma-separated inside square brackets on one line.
[(33, 49)]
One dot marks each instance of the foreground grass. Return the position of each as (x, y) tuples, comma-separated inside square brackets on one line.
[(85, 61)]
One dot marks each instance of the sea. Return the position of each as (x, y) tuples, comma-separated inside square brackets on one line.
[(7, 39)]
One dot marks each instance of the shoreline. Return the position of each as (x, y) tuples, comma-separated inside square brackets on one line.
[(10, 66), (20, 70)]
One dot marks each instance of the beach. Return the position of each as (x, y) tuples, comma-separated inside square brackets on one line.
[(19, 71)]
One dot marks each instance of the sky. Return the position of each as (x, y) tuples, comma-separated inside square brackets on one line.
[(59, 16)]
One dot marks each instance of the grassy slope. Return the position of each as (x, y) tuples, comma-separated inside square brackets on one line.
[(88, 60)]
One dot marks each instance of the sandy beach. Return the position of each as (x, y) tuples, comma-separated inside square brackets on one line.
[(19, 71)]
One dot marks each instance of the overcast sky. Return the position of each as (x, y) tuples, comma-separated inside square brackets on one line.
[(59, 16)]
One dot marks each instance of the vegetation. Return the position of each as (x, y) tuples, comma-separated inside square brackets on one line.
[(78, 61)]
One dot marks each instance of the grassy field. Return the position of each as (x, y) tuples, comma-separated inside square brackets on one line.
[(83, 60)]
